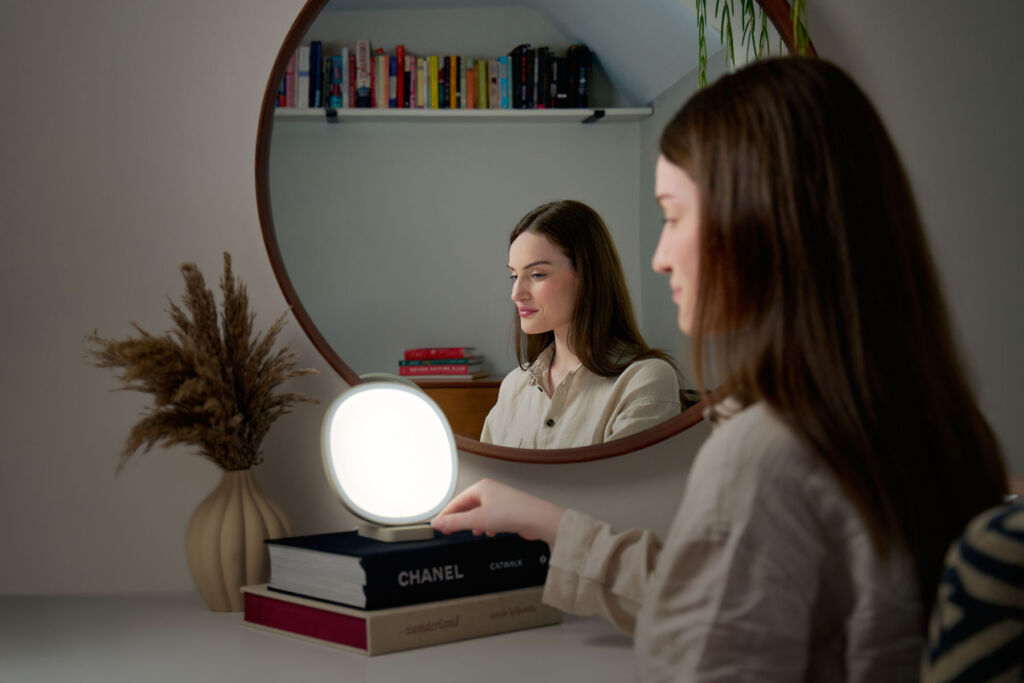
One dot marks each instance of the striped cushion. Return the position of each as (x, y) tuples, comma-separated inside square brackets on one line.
[(976, 631)]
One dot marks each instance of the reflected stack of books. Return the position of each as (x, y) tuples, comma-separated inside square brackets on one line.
[(374, 597), (442, 363)]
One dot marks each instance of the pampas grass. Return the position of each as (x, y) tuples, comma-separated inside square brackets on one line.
[(212, 381)]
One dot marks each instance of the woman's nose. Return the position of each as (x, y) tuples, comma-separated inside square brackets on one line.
[(518, 290), (659, 264)]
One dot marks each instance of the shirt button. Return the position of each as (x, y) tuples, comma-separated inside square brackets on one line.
[(550, 422)]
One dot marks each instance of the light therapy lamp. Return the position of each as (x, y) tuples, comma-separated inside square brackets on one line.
[(390, 455)]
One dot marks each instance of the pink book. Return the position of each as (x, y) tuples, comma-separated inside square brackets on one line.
[(289, 82)]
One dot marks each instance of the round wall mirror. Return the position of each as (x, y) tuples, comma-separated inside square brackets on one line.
[(387, 229)]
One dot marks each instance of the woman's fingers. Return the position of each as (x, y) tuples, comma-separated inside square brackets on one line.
[(457, 521), (488, 507)]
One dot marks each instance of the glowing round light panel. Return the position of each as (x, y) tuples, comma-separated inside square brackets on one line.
[(389, 453)]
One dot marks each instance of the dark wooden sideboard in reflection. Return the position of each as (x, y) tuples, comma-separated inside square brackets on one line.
[(465, 402)]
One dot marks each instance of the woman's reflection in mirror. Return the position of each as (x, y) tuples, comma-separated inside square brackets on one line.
[(585, 374), (848, 449)]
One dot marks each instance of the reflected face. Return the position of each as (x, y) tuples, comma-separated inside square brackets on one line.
[(678, 254), (543, 284)]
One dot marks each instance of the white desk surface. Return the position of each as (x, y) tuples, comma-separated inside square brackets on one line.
[(176, 638)]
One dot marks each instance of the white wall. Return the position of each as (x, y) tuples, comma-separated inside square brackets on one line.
[(127, 144), (946, 78)]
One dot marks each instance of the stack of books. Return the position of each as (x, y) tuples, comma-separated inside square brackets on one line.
[(374, 597), (442, 363), (359, 76)]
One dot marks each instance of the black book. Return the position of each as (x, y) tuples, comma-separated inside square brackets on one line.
[(349, 569), (542, 79), (315, 73), (517, 58), (560, 82), (527, 79), (580, 60)]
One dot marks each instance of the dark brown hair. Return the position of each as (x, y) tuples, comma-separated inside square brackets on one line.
[(818, 294), (603, 333)]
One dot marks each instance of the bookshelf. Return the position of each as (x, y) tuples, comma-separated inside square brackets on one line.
[(591, 115)]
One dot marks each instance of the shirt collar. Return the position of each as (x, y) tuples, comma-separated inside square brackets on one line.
[(719, 412), (538, 370)]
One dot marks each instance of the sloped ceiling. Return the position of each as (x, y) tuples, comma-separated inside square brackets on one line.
[(645, 46)]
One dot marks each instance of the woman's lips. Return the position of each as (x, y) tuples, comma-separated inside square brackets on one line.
[(523, 312), (676, 291)]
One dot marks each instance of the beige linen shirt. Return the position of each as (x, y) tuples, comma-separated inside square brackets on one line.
[(767, 573), (585, 409)]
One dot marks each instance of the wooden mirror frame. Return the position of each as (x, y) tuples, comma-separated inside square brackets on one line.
[(777, 11)]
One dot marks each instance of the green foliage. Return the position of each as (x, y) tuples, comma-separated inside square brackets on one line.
[(759, 46)]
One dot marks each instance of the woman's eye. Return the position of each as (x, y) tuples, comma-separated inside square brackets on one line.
[(538, 276), (512, 278)]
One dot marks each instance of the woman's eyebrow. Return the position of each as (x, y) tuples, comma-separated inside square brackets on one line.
[(531, 265)]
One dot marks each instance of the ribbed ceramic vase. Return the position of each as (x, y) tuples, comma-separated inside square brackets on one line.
[(225, 537)]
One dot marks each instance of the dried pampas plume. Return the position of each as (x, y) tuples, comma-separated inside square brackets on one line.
[(212, 381)]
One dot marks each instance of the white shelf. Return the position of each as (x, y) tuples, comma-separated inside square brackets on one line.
[(610, 115)]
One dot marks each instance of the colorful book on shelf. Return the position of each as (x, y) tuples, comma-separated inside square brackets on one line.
[(434, 87), (335, 93), (505, 82), (399, 58), (353, 570), (375, 632), (444, 93), (363, 79), (431, 352), (345, 71), (453, 81), (482, 84), (350, 95), (422, 83), (442, 378), (289, 82), (470, 87), (468, 360), (493, 85), (302, 77), (447, 370), (409, 74), (392, 82), (380, 81)]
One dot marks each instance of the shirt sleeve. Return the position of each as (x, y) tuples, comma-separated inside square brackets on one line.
[(650, 396), (595, 571)]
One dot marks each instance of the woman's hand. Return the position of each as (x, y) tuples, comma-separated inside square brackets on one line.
[(488, 507)]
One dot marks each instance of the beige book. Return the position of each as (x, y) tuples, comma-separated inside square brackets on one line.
[(380, 631)]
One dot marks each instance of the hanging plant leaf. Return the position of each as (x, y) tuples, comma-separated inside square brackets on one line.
[(702, 46), (726, 20)]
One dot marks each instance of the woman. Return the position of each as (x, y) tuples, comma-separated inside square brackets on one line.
[(847, 451), (585, 373)]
